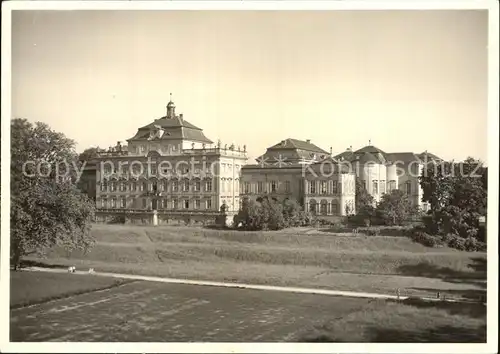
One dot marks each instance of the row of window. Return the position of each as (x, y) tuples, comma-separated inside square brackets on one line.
[(160, 203), (322, 187), (153, 169), (265, 187), (142, 149), (155, 186), (323, 208), (380, 186)]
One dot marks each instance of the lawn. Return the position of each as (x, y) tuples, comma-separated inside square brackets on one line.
[(410, 321), (28, 288), (299, 257), (159, 312)]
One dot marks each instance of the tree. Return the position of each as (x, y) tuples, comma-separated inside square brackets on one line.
[(46, 207), (88, 154), (364, 202), (362, 197), (293, 214), (394, 208), (273, 214), (249, 216), (269, 214), (457, 195)]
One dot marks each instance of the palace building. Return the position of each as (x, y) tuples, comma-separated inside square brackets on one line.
[(169, 165), (300, 170), (171, 168), (382, 172)]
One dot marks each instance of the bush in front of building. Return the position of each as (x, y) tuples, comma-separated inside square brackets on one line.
[(395, 208), (269, 214), (426, 239), (457, 195)]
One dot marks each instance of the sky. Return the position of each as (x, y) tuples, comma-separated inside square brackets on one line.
[(409, 81)]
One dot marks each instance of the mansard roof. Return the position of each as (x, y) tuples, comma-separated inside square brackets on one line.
[(428, 156), (373, 154), (173, 128), (404, 157), (297, 144), (370, 149), (295, 151), (347, 155)]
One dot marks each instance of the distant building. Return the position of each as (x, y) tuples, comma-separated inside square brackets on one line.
[(169, 165), (300, 170), (87, 182), (382, 172)]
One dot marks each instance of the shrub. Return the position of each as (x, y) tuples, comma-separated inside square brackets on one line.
[(470, 244), (481, 234), (429, 225), (371, 231), (117, 219), (358, 220), (394, 208), (426, 239), (456, 242), (304, 218), (396, 231), (473, 245)]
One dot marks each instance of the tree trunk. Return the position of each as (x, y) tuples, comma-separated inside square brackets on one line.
[(16, 255)]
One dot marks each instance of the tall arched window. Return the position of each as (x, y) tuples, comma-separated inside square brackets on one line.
[(312, 206)]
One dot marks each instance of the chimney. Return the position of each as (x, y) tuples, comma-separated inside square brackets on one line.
[(331, 150), (181, 116), (308, 141)]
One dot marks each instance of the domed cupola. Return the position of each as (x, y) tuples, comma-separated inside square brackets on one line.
[(171, 108)]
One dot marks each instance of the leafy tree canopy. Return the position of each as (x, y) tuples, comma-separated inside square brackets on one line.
[(457, 194), (46, 207), (88, 154), (394, 208)]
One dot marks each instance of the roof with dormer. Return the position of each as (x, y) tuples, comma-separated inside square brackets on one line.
[(171, 128), (372, 154), (429, 157), (297, 144), (294, 150)]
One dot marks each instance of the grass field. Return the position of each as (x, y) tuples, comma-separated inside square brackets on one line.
[(29, 288), (410, 321), (158, 312), (299, 257)]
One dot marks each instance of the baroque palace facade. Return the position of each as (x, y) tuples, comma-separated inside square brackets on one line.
[(169, 166), (381, 172), (300, 170)]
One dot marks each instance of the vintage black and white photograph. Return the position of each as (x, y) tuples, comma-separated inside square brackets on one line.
[(250, 175)]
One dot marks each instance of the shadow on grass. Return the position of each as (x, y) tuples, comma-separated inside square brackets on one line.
[(440, 334), (472, 309), (428, 270), (362, 230), (31, 263), (217, 227), (338, 230), (477, 295)]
